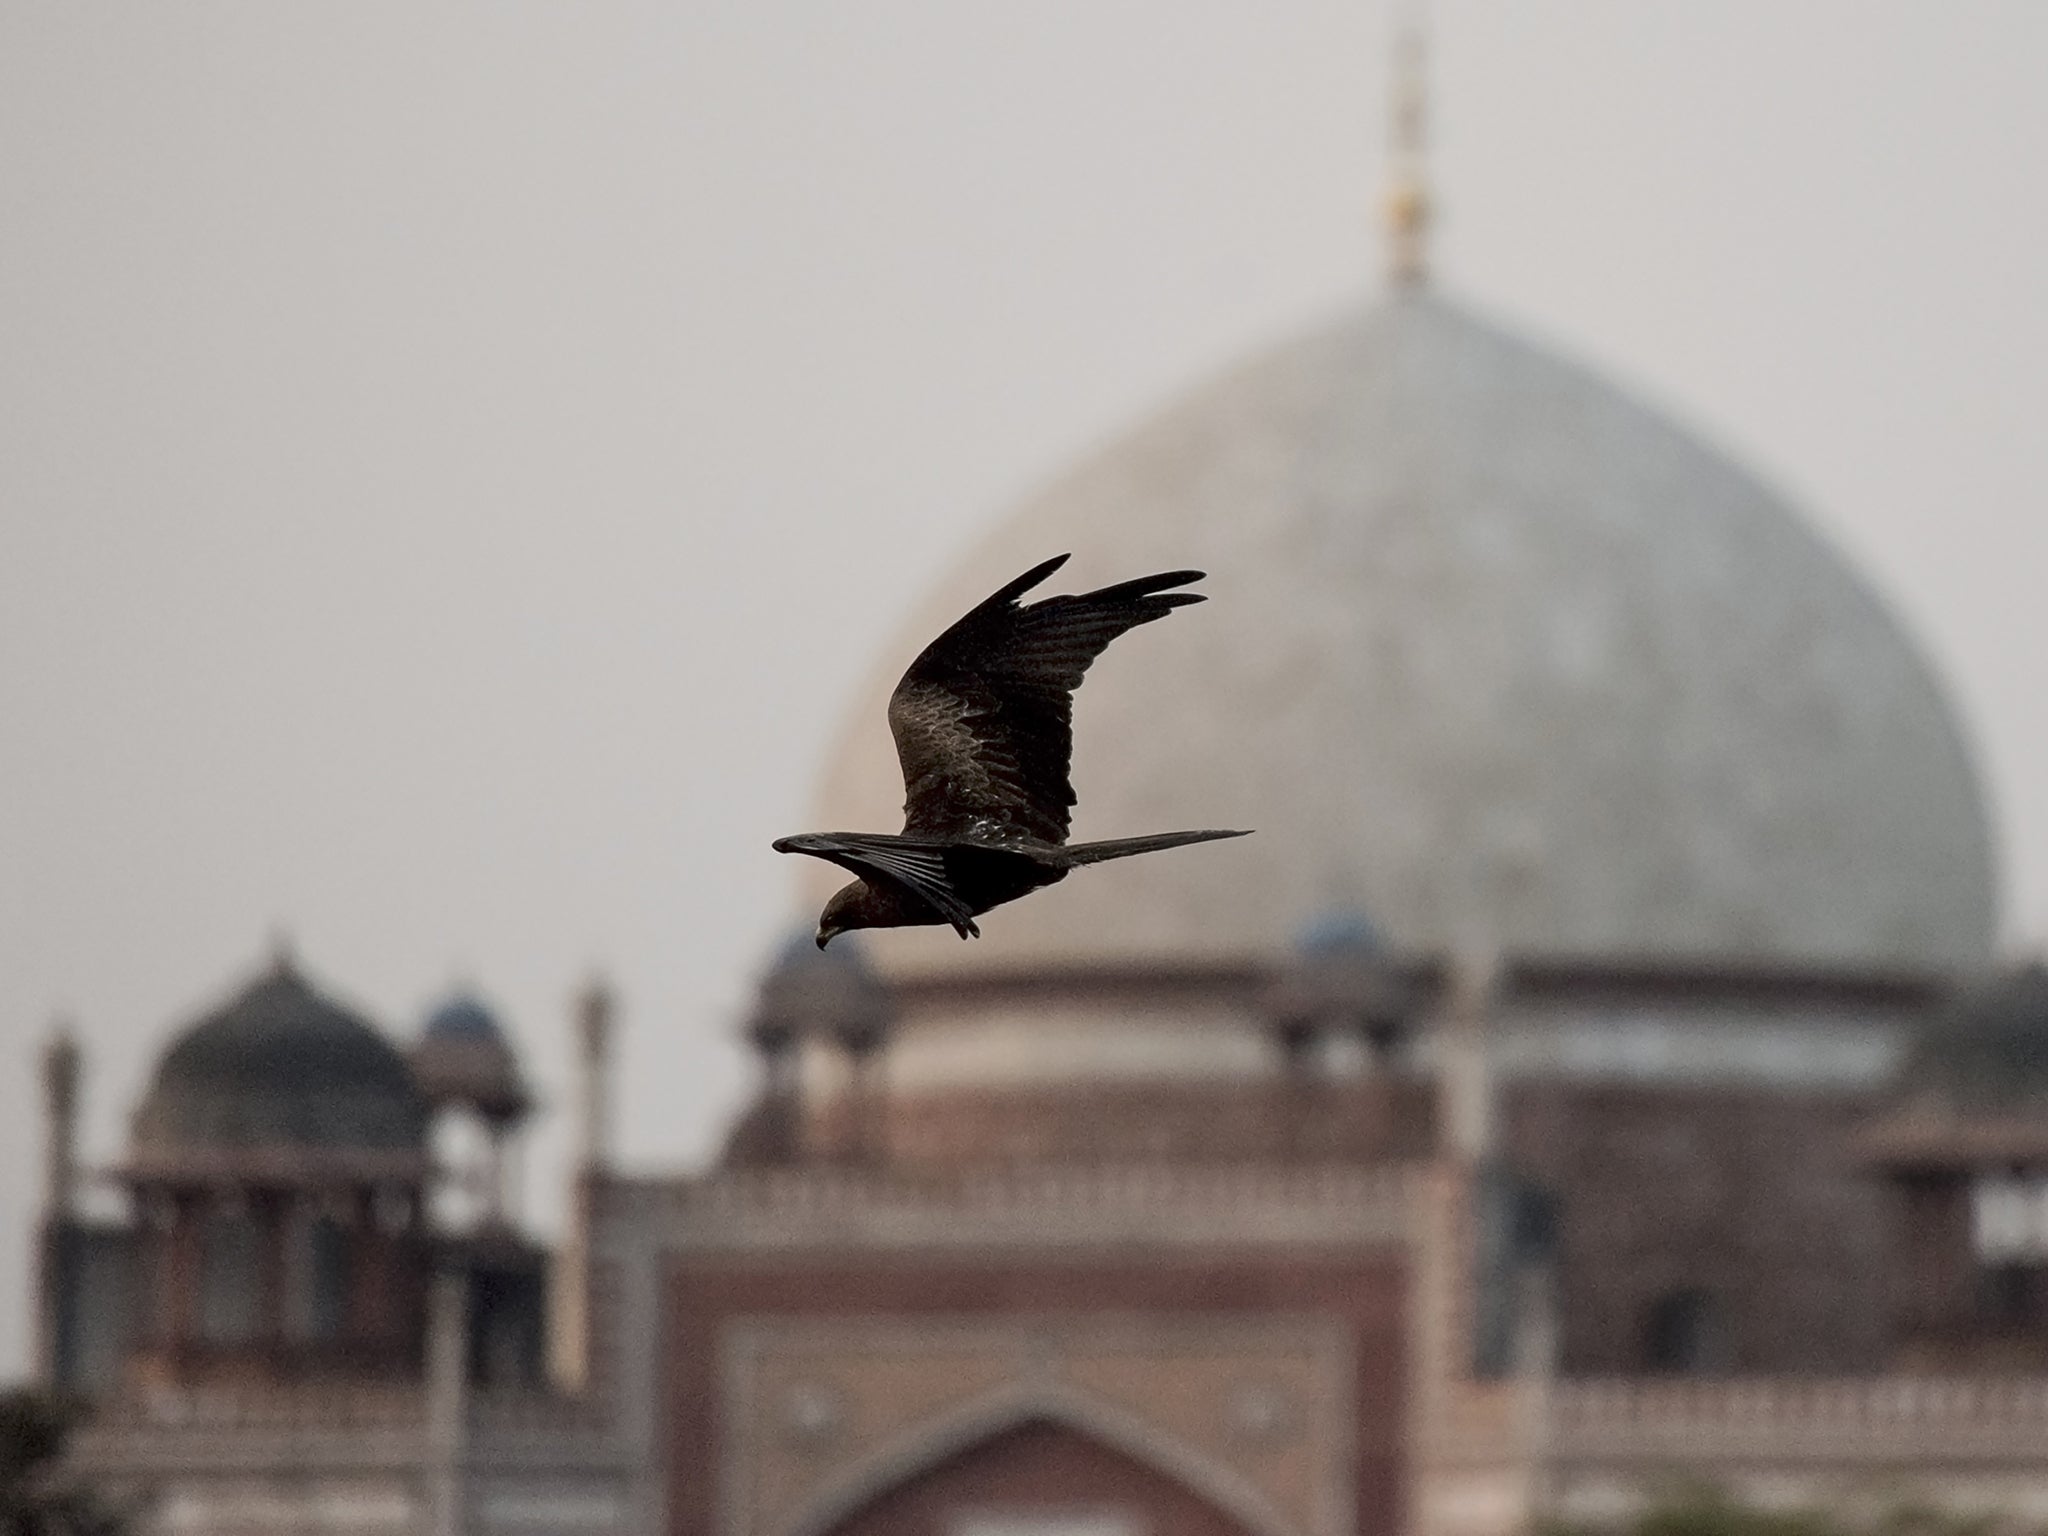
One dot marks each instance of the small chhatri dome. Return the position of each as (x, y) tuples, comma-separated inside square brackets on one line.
[(1971, 1095), (808, 991), (464, 1057), (1991, 1048), (1340, 931), (280, 1065), (463, 1018), (1341, 975)]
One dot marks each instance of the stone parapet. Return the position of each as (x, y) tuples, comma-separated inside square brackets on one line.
[(792, 1209), (1698, 1425), (209, 1410)]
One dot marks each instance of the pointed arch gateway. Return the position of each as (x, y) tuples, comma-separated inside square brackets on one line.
[(1041, 1467)]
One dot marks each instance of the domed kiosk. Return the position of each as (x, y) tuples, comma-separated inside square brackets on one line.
[(470, 1076), (1962, 1144), (294, 1190), (278, 1161), (463, 1057)]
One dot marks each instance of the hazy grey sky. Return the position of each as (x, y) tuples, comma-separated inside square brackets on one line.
[(456, 462)]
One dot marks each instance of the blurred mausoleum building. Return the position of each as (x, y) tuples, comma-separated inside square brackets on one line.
[(1596, 1072)]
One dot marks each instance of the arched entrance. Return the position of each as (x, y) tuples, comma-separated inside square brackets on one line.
[(1038, 1477)]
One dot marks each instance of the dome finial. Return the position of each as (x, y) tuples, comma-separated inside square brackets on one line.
[(1408, 202)]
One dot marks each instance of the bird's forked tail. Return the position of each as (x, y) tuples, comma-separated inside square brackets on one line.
[(1124, 847)]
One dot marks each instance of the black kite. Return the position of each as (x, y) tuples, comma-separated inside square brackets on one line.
[(984, 728)]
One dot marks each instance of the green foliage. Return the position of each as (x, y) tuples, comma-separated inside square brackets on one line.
[(35, 1498), (1703, 1510)]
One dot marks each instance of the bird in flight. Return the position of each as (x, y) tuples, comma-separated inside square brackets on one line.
[(984, 728)]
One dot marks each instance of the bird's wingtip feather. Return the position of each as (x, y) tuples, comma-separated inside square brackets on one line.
[(1031, 578)]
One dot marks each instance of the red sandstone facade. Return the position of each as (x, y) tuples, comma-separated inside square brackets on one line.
[(1426, 1292), (1158, 1315)]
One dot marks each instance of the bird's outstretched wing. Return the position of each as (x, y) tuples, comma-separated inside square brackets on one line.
[(878, 857), (983, 720)]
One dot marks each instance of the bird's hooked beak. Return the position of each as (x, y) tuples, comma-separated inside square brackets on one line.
[(825, 935)]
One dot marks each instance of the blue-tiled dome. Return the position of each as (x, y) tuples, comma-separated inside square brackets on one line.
[(808, 990), (1341, 930), (462, 1017), (464, 1057)]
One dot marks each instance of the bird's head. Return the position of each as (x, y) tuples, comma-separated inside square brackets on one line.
[(845, 910)]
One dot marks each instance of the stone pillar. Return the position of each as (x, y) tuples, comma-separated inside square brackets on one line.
[(1465, 1070), (180, 1273), (54, 1270), (447, 1401), (1536, 1367), (372, 1303), (60, 1122), (1439, 1354), (569, 1319), (1935, 1293), (493, 1195), (775, 1044), (593, 1039), (865, 1129), (272, 1210), (1300, 1041), (510, 1173)]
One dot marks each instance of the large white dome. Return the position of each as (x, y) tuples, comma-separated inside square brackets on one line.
[(1495, 654)]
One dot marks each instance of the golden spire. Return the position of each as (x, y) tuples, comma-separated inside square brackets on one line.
[(1408, 204)]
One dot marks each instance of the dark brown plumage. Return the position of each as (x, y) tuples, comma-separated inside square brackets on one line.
[(984, 728)]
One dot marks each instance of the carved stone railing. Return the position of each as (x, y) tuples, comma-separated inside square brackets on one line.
[(223, 1409), (1872, 1419), (138, 1438), (533, 1411), (1162, 1203)]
